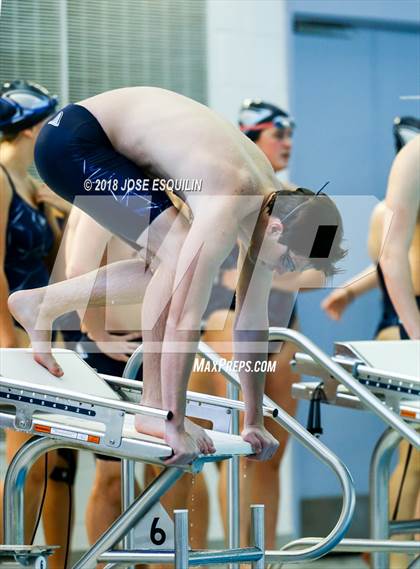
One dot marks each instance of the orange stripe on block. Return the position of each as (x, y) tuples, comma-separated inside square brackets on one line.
[(92, 439), (408, 414), (42, 429)]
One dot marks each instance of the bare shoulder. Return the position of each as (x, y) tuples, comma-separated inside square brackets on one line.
[(378, 213), (224, 211), (5, 190), (36, 186), (377, 220), (5, 201), (213, 207), (290, 186), (407, 160), (404, 180)]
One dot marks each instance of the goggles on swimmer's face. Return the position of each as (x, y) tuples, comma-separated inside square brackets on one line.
[(284, 124), (24, 104), (286, 263)]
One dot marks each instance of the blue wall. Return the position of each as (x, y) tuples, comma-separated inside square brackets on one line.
[(372, 11)]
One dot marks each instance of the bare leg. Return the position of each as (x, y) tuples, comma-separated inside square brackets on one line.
[(211, 384), (153, 334), (1, 510), (198, 506), (104, 505), (185, 494), (124, 282), (411, 484), (55, 517), (34, 481), (179, 498), (409, 497), (417, 509), (219, 334), (259, 481), (266, 484), (120, 283)]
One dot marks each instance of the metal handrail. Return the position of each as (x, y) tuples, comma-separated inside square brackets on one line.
[(128, 477), (340, 375), (310, 442), (213, 400), (134, 362), (357, 546)]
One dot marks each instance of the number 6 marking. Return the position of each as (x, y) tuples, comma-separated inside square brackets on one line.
[(157, 535)]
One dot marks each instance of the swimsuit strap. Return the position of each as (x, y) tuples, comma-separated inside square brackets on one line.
[(8, 176)]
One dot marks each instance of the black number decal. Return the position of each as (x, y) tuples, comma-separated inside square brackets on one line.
[(157, 535)]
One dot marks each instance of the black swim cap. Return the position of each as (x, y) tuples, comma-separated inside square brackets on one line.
[(405, 129)]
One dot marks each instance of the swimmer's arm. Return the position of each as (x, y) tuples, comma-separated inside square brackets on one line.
[(202, 254), (50, 198), (402, 201), (367, 279), (361, 283), (338, 300), (57, 234), (86, 252), (299, 281), (7, 332), (251, 332)]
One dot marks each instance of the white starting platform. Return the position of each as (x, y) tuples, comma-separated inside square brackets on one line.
[(390, 370), (30, 556), (85, 410), (81, 407)]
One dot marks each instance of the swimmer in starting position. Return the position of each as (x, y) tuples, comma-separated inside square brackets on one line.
[(86, 154)]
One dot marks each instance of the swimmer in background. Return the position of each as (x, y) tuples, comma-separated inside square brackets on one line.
[(405, 130), (29, 240)]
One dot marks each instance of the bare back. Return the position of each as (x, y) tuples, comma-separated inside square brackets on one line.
[(175, 137)]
